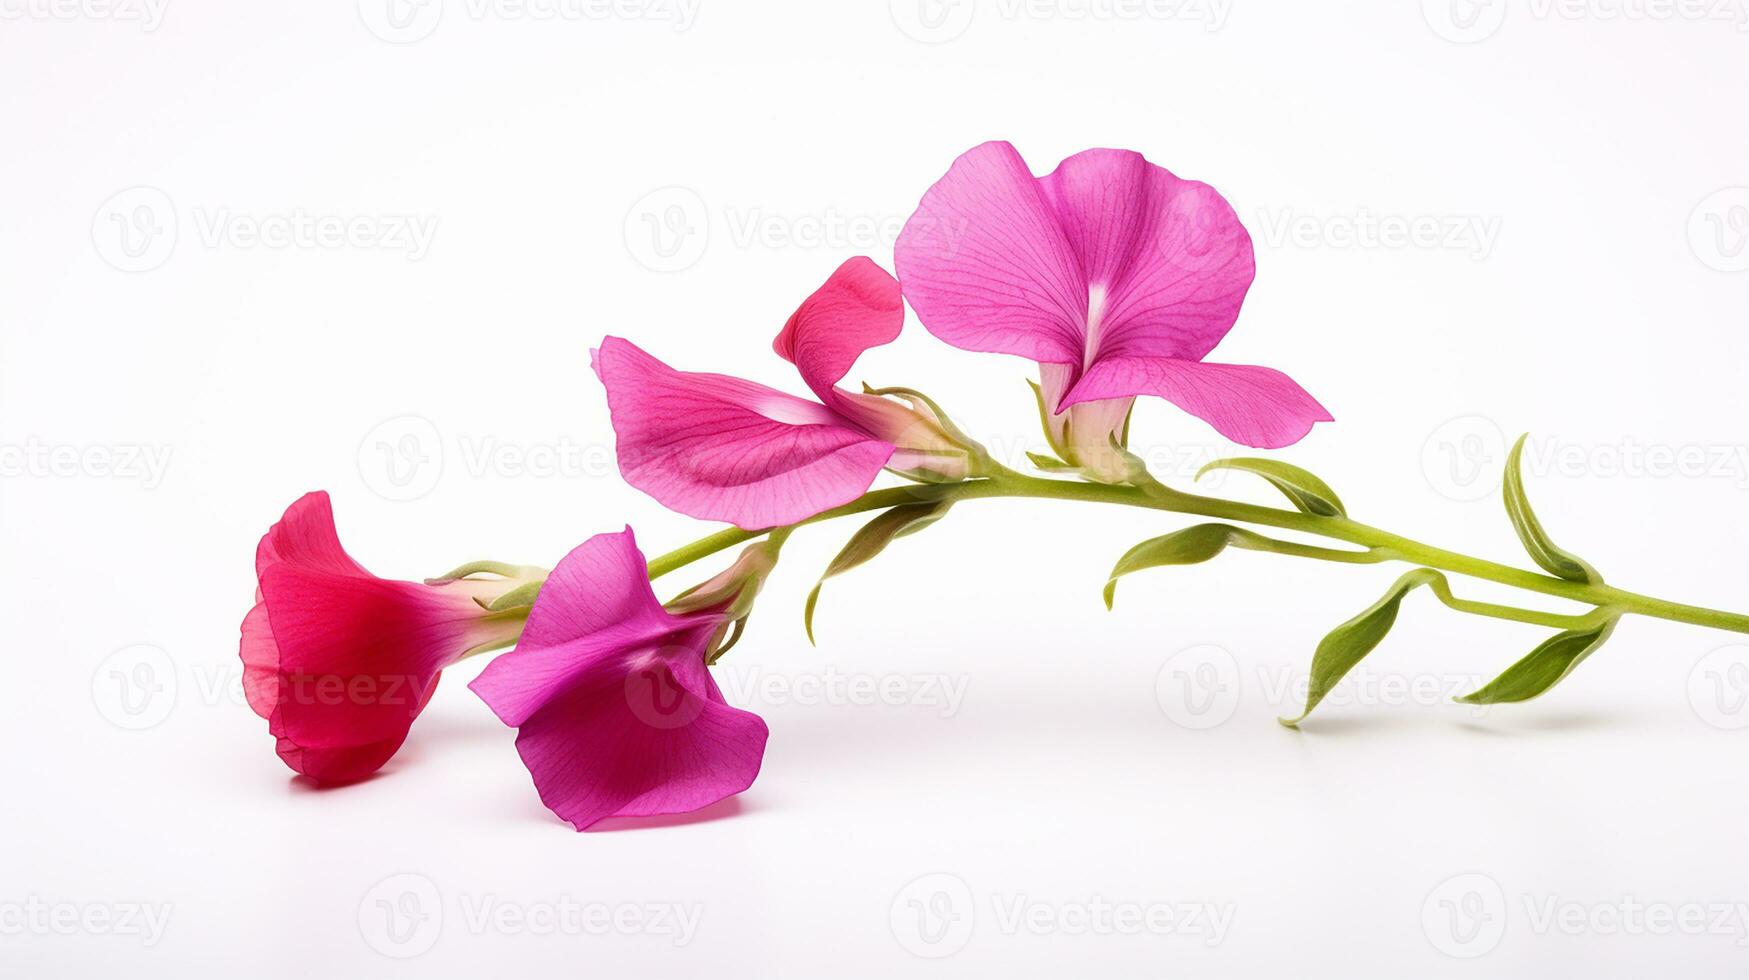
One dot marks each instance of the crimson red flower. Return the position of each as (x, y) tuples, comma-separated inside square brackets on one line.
[(340, 661)]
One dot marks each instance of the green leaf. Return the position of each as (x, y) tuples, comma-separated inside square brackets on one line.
[(1189, 546), (1542, 668), (870, 540), (1348, 644), (1543, 551), (1308, 493), (1204, 541)]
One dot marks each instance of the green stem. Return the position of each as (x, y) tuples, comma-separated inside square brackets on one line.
[(1011, 484)]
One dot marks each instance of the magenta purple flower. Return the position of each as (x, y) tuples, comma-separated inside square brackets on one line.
[(1117, 278)]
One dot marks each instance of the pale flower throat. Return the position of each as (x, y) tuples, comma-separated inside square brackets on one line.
[(1095, 312)]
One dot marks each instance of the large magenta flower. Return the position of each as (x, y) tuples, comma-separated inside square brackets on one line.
[(1113, 274), (339, 661), (616, 709), (720, 448)]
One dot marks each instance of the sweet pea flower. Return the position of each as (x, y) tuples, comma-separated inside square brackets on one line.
[(1116, 276), (611, 693), (720, 448), (340, 661)]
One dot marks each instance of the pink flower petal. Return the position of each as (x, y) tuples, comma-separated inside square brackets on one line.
[(358, 657), (338, 661), (720, 448), (1254, 406), (1107, 255), (599, 596), (306, 535), (617, 712), (641, 736), (858, 307), (985, 262), (1166, 261)]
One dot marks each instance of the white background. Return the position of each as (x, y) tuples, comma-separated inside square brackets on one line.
[(1593, 164)]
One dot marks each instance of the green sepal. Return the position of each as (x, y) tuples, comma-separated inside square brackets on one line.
[(520, 597), (870, 540), (1308, 494), (719, 646), (1048, 463), (1542, 668), (1555, 561), (1348, 644), (501, 568)]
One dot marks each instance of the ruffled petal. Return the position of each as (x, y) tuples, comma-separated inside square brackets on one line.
[(1253, 406), (260, 662), (306, 536), (618, 714), (642, 735), (1166, 261), (723, 449), (858, 307), (339, 661), (596, 602), (986, 265), (358, 659)]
